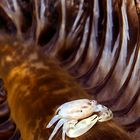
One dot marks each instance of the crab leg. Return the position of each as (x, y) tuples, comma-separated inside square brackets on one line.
[(59, 124), (63, 133), (53, 120)]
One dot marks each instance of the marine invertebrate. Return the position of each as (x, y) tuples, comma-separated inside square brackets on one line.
[(71, 112), (96, 42)]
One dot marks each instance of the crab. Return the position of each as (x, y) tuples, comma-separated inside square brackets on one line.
[(78, 116)]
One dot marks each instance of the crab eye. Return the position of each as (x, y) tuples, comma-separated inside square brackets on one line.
[(93, 101)]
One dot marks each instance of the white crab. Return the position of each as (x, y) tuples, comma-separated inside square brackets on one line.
[(78, 116)]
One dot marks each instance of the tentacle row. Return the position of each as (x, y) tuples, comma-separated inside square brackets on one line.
[(7, 126), (111, 74), (96, 41)]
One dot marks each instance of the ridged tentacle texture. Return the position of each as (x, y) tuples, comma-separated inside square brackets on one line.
[(54, 51), (7, 126)]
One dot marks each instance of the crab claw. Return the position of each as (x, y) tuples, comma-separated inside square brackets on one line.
[(82, 127), (100, 108), (105, 116)]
